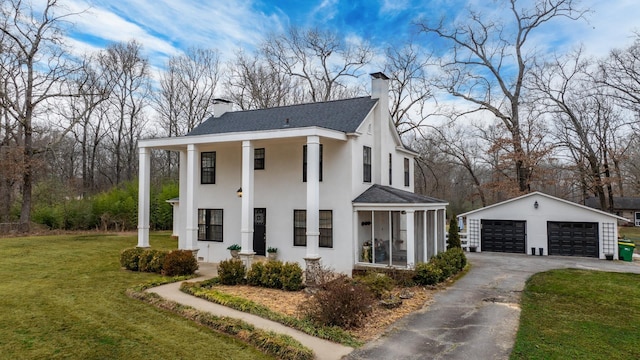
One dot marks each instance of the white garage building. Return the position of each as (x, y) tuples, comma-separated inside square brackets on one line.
[(538, 222)]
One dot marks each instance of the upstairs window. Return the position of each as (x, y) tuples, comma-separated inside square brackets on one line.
[(390, 169), (304, 163), (208, 167), (406, 172), (366, 164), (258, 159), (210, 225)]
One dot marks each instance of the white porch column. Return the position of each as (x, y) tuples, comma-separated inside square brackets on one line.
[(442, 227), (246, 216), (184, 180), (144, 195), (435, 232), (424, 237), (312, 257), (313, 196), (191, 208), (355, 235), (411, 239)]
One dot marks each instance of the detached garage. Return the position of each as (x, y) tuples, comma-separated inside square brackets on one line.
[(539, 222)]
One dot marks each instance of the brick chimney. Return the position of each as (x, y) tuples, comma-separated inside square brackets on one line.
[(221, 106)]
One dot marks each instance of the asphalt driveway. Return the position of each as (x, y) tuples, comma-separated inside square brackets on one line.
[(477, 317)]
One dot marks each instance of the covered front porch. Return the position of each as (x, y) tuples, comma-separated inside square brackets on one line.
[(400, 230)]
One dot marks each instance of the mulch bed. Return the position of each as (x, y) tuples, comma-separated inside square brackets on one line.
[(287, 302)]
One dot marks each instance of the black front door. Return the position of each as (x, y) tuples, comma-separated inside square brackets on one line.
[(260, 231)]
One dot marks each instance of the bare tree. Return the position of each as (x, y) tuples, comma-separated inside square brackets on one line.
[(410, 88), (621, 70), (128, 70), (34, 67), (464, 148), (321, 60), (187, 90), (488, 64), (586, 120), (254, 83), (93, 86)]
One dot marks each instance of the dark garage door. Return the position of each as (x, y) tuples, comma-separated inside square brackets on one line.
[(503, 236), (573, 238)]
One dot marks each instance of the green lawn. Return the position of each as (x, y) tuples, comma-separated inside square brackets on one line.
[(63, 297), (579, 314), (631, 233)]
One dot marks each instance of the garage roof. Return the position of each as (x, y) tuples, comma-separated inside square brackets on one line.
[(619, 203), (547, 196)]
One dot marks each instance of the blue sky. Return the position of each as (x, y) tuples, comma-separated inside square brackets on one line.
[(166, 27)]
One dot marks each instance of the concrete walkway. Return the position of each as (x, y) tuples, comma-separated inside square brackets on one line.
[(323, 349), (477, 317)]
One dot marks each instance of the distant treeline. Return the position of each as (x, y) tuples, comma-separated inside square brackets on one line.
[(116, 209)]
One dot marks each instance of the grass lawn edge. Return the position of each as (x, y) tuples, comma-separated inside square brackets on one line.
[(279, 345)]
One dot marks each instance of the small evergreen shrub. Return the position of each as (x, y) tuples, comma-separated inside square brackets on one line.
[(130, 258), (339, 302), (179, 262), (272, 275), (442, 263), (152, 260), (454, 236), (254, 275), (428, 274), (231, 272), (291, 277), (379, 284), (456, 258)]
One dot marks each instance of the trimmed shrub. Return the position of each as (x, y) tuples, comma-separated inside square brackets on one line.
[(340, 302), (152, 260), (428, 273), (456, 258), (231, 272), (272, 275), (130, 258), (179, 262), (291, 278), (379, 284), (254, 275)]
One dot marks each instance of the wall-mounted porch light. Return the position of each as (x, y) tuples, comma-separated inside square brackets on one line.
[(239, 192), (535, 205)]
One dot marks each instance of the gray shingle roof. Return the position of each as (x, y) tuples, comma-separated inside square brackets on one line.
[(619, 203), (380, 194), (341, 115)]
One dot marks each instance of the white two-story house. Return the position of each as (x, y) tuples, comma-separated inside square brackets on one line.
[(329, 182)]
